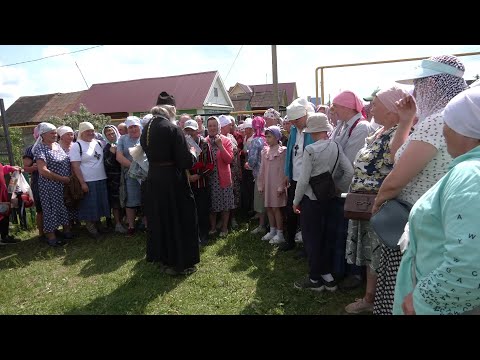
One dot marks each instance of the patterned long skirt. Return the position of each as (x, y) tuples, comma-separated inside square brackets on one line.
[(387, 277)]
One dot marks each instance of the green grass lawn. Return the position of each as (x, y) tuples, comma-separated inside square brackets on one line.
[(237, 275)]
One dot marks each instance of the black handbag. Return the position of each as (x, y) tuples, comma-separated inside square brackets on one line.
[(390, 220), (323, 185)]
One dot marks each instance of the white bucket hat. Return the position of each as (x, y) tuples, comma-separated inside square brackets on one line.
[(318, 122)]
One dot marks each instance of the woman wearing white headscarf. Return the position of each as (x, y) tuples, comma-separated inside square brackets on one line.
[(65, 135), (132, 186), (423, 158), (87, 163), (54, 169), (439, 272)]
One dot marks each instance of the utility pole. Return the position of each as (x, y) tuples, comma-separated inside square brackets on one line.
[(6, 132), (275, 77)]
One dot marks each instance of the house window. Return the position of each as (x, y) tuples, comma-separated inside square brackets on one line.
[(215, 92)]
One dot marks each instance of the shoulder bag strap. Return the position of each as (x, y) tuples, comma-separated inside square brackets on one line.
[(338, 154)]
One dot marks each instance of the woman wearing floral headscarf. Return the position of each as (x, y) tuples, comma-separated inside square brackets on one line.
[(423, 158), (221, 189)]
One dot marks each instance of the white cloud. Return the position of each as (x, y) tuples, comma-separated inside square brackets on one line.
[(295, 63)]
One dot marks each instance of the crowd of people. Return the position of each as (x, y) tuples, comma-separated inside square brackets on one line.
[(420, 146)]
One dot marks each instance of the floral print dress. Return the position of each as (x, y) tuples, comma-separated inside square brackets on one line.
[(371, 166)]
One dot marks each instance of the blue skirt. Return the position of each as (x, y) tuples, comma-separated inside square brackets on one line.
[(95, 203)]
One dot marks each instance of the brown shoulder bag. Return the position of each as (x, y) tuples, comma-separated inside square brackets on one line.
[(358, 206)]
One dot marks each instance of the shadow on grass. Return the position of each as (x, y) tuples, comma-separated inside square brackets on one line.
[(145, 284), (102, 256), (275, 272)]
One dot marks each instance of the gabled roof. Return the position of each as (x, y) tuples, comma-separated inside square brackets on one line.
[(190, 91), (34, 109), (59, 105), (288, 87), (264, 100), (243, 87)]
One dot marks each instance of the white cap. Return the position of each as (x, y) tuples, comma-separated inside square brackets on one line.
[(297, 109), (191, 124), (224, 120), (248, 123)]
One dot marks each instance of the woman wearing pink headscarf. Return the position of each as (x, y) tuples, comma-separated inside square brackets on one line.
[(350, 133), (371, 166), (254, 162)]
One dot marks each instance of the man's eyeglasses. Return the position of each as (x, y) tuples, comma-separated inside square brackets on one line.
[(296, 150)]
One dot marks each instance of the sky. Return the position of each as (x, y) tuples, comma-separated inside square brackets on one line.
[(247, 64)]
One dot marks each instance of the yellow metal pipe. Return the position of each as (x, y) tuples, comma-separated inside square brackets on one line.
[(369, 63)]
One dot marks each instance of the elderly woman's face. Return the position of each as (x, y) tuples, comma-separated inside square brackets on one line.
[(134, 131), (270, 122), (87, 135), (212, 126), (67, 137), (379, 111), (110, 134), (454, 141), (49, 137)]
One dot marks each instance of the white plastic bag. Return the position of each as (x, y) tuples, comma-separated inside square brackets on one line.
[(12, 185), (22, 185)]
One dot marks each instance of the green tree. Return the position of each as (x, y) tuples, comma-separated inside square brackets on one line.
[(16, 139), (75, 118)]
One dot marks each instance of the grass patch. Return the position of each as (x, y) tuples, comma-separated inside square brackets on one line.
[(238, 274)]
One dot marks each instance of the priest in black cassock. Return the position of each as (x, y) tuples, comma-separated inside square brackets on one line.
[(172, 238)]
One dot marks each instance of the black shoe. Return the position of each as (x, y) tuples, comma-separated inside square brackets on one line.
[(10, 240), (286, 246), (55, 243), (329, 285), (68, 235), (351, 282), (301, 254), (306, 283), (173, 272)]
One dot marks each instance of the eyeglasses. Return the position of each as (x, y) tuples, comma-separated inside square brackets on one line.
[(296, 150), (97, 155)]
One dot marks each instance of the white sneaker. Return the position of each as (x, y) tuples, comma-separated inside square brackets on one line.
[(269, 236), (234, 223), (120, 229), (298, 237), (277, 239), (259, 230)]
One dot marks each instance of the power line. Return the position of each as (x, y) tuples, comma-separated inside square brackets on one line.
[(46, 57), (81, 74), (233, 63)]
